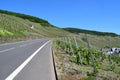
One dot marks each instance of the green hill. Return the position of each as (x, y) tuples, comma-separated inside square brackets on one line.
[(77, 31), (28, 17), (96, 39), (16, 24), (19, 25)]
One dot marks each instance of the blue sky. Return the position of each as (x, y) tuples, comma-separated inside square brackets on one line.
[(100, 15)]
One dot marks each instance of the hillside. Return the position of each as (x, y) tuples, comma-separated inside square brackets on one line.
[(16, 24), (77, 31), (28, 17)]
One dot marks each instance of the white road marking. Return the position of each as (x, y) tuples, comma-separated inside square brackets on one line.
[(14, 73), (7, 50)]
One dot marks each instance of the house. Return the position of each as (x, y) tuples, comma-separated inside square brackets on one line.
[(113, 50)]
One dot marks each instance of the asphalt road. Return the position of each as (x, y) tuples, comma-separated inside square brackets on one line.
[(27, 60)]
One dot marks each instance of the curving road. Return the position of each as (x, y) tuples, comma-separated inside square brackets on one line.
[(27, 60)]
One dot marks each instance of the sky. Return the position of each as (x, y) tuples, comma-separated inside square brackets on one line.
[(99, 15)]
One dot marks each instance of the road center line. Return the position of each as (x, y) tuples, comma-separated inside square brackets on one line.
[(7, 50), (15, 72)]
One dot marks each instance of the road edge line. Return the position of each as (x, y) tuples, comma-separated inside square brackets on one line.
[(16, 71)]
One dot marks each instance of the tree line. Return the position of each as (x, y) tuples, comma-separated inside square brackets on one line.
[(77, 31), (30, 18)]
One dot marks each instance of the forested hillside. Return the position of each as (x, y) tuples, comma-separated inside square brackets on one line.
[(77, 31)]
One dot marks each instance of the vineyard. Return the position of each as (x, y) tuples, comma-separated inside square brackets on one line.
[(101, 65), (12, 28), (16, 24)]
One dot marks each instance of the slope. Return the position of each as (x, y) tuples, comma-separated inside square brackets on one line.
[(12, 24), (15, 24), (77, 31)]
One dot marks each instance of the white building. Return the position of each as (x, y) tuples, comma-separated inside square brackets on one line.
[(113, 50)]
